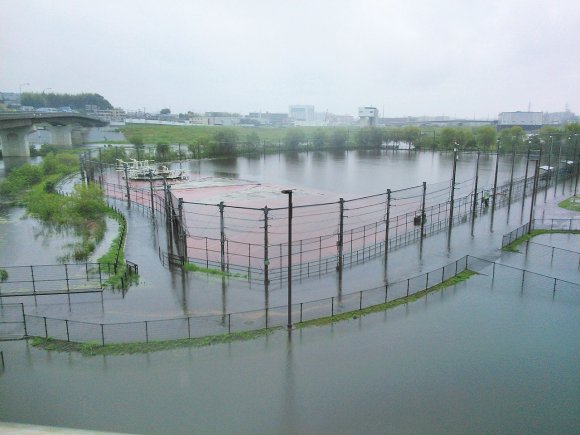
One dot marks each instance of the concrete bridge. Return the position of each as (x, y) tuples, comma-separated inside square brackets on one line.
[(15, 127)]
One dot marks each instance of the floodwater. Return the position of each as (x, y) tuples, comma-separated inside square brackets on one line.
[(475, 358), (167, 293)]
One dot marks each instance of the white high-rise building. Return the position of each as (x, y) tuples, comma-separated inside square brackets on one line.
[(302, 113)]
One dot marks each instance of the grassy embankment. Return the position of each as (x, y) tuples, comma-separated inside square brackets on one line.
[(95, 348), (81, 213), (569, 204), (572, 203)]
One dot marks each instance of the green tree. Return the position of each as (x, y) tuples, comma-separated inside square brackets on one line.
[(319, 138), (512, 139), (338, 137), (411, 135), (252, 141), (294, 137), (225, 141), (447, 138), (486, 137), (162, 150), (165, 111), (369, 137)]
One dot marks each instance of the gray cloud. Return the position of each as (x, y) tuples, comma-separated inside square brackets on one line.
[(415, 57)]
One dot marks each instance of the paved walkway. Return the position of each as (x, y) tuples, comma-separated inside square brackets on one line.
[(165, 293)]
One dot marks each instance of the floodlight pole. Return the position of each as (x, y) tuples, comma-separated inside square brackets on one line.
[(452, 201), (289, 193), (535, 189), (495, 176)]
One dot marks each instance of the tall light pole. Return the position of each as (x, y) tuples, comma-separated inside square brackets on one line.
[(495, 176), (558, 167), (526, 174), (289, 193), (451, 203), (576, 157), (535, 189), (549, 170)]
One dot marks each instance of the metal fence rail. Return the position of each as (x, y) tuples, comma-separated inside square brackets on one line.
[(540, 224), (12, 323), (55, 278), (269, 317), (347, 231)]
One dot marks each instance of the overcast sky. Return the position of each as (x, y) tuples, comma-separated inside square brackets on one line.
[(406, 57)]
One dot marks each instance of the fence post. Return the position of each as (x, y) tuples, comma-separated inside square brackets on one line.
[(33, 283), (386, 292), (188, 328), (386, 223), (127, 184), (146, 333), (360, 301), (427, 282), (340, 242), (300, 312), (555, 281), (332, 306), (151, 192), (222, 236), (66, 275), (103, 334), (24, 319), (474, 211), (182, 233), (407, 287), (229, 323), (67, 334), (45, 328), (266, 259)]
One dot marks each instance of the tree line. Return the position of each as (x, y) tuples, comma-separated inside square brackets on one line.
[(227, 141), (74, 101)]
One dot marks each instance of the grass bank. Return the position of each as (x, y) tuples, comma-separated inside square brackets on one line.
[(96, 348), (513, 246), (460, 277), (192, 267), (572, 203)]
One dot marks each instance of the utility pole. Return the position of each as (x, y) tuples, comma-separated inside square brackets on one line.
[(452, 201), (498, 146), (474, 211)]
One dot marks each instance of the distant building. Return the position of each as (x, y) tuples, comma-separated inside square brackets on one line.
[(368, 115), (526, 120), (559, 118), (302, 113), (110, 115), (10, 100)]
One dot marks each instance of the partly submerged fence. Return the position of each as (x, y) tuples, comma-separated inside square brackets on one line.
[(326, 236), (272, 317), (54, 279), (540, 224)]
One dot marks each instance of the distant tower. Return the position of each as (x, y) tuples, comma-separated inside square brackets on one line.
[(368, 116)]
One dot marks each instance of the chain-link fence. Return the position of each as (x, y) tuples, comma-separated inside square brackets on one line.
[(271, 317), (540, 224), (326, 236)]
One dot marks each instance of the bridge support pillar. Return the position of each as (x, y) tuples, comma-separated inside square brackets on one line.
[(15, 142), (61, 135), (78, 135)]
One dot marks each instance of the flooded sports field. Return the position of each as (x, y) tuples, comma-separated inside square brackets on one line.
[(494, 353)]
